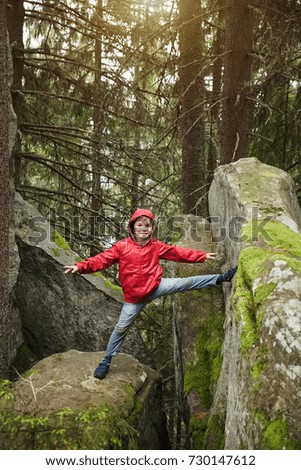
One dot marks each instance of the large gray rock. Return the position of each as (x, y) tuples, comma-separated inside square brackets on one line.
[(58, 404), (60, 312), (258, 393)]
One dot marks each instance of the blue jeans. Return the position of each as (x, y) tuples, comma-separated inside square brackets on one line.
[(167, 286)]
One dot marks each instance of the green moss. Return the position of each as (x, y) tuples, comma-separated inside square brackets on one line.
[(134, 403), (57, 238), (274, 234), (56, 252), (257, 369), (276, 242), (283, 238), (203, 374), (23, 361), (262, 292), (215, 433), (197, 376), (249, 307), (107, 283), (112, 286), (253, 260), (205, 329), (197, 429), (96, 428), (275, 436), (131, 394)]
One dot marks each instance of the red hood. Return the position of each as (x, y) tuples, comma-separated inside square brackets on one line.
[(140, 213)]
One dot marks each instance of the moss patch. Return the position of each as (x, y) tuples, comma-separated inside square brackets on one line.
[(107, 283), (56, 252), (275, 435), (215, 435), (22, 362), (68, 429), (94, 428), (197, 429), (276, 242), (203, 369), (203, 374), (283, 238), (57, 238), (274, 234), (249, 302)]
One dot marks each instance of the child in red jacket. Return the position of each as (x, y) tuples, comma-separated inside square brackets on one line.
[(140, 275)]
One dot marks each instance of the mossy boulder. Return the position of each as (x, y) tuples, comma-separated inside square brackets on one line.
[(58, 404), (260, 381)]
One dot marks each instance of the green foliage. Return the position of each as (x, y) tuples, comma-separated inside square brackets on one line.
[(6, 390), (197, 429), (94, 428), (203, 373), (97, 134), (102, 107), (102, 428), (215, 432)]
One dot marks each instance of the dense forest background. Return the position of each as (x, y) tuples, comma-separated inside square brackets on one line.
[(134, 103)]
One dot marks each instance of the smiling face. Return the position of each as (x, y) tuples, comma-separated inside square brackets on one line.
[(142, 229)]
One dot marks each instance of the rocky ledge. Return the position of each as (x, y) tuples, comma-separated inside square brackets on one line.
[(58, 404)]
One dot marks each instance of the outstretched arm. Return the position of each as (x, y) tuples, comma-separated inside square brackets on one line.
[(183, 255), (95, 263)]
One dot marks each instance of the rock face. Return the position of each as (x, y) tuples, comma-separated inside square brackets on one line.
[(60, 405), (198, 334), (258, 220), (60, 312)]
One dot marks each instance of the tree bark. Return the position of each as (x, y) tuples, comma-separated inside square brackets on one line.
[(15, 23), (236, 112), (217, 49), (4, 192), (192, 115), (96, 204)]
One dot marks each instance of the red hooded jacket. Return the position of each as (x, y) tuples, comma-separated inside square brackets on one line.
[(139, 269)]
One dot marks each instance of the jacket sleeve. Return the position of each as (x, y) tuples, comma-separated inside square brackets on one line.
[(179, 254), (101, 261)]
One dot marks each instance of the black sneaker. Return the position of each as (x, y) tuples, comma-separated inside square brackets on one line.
[(102, 368), (227, 276)]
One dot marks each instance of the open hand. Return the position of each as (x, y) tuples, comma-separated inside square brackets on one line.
[(211, 255), (71, 269)]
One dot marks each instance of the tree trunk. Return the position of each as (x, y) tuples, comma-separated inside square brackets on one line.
[(96, 204), (192, 116), (236, 113), (4, 192), (217, 49), (15, 23)]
